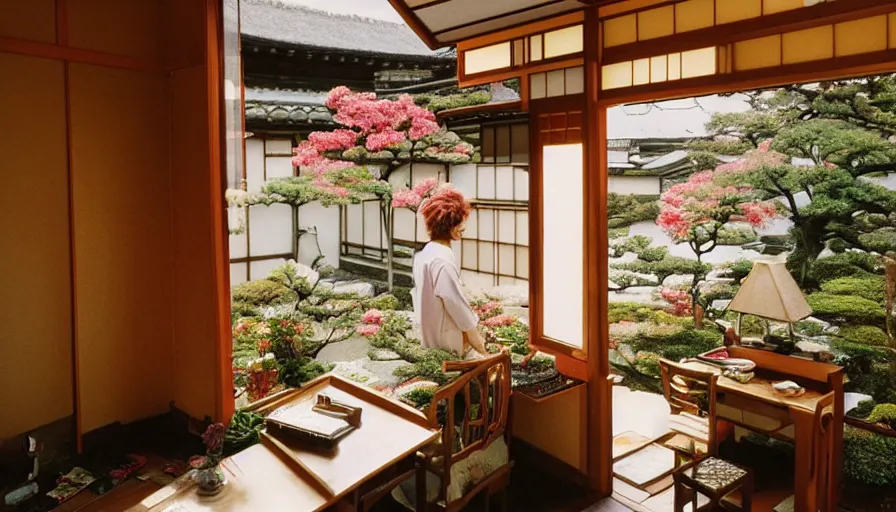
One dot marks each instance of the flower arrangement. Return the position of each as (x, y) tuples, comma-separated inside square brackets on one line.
[(208, 474)]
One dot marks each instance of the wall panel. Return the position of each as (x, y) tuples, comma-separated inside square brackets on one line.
[(130, 28), (193, 301), (123, 247), (35, 283), (31, 20)]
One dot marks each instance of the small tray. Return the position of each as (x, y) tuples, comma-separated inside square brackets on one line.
[(284, 421)]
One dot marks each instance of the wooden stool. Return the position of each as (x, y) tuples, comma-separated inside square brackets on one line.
[(714, 478)]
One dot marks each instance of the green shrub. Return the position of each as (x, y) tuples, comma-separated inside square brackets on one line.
[(627, 209), (634, 312), (618, 232), (420, 398), (648, 363), (740, 269), (736, 235), (869, 287), (864, 335), (875, 380), (807, 328), (635, 244), (862, 410), (868, 457), (882, 240), (261, 293), (405, 302), (239, 309), (851, 309), (678, 345), (653, 254), (847, 264), (384, 303), (884, 413), (669, 266), (838, 245)]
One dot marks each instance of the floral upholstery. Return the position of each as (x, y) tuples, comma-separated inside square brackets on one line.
[(465, 475)]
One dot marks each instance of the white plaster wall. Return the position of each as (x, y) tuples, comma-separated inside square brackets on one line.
[(640, 185)]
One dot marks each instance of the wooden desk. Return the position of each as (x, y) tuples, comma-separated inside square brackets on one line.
[(263, 477), (821, 382)]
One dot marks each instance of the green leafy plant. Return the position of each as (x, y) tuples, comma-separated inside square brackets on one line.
[(870, 287), (847, 308), (244, 431), (263, 292), (863, 409), (868, 457), (884, 414), (847, 264), (864, 335)]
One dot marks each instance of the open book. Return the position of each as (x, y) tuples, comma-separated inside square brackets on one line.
[(319, 423)]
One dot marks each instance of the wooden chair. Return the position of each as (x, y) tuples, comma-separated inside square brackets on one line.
[(691, 394), (716, 479), (471, 458)]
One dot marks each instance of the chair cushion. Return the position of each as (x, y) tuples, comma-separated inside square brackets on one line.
[(714, 474), (465, 475)]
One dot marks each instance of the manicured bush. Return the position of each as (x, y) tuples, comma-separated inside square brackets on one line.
[(648, 363), (669, 266), (653, 254), (625, 210), (876, 380), (634, 312), (239, 309), (260, 293), (405, 302), (864, 335), (678, 345), (862, 410), (838, 245), (847, 264), (807, 328), (868, 457), (882, 240), (735, 235), (635, 244), (848, 308), (384, 303), (740, 269), (884, 413), (618, 232), (869, 287)]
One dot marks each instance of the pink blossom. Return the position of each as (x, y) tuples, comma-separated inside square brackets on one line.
[(425, 187), (367, 330), (373, 316), (499, 321), (680, 300), (406, 198), (337, 140), (385, 139)]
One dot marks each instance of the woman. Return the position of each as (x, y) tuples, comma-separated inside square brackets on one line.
[(445, 317)]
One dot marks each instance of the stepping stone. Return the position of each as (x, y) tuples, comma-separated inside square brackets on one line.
[(383, 354)]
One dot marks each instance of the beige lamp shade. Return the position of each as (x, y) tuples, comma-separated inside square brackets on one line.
[(770, 292)]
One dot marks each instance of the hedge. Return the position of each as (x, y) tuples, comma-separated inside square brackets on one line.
[(868, 457), (847, 264), (852, 309), (868, 287)]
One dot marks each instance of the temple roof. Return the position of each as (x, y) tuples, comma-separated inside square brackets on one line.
[(272, 20)]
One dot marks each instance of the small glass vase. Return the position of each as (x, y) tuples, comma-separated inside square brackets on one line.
[(210, 478)]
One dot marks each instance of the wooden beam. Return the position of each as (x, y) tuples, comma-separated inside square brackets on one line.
[(217, 154), (522, 30), (64, 53), (495, 17), (805, 72), (771, 24), (413, 21), (625, 7)]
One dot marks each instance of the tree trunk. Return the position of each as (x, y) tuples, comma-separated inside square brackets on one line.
[(296, 233), (890, 265), (390, 249)]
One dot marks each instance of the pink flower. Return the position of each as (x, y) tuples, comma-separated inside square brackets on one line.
[(406, 199), (367, 330), (680, 300), (499, 321), (385, 139), (373, 316), (337, 140), (426, 187)]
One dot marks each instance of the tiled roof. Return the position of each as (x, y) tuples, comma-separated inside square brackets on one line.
[(294, 24)]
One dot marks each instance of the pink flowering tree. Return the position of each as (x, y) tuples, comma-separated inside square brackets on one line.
[(376, 138), (694, 212), (413, 198)]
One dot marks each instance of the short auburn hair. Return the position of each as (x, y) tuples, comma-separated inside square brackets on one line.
[(444, 213)]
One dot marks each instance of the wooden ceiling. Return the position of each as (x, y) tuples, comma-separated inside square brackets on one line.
[(445, 22)]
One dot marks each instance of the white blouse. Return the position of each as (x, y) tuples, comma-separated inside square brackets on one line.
[(443, 312)]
